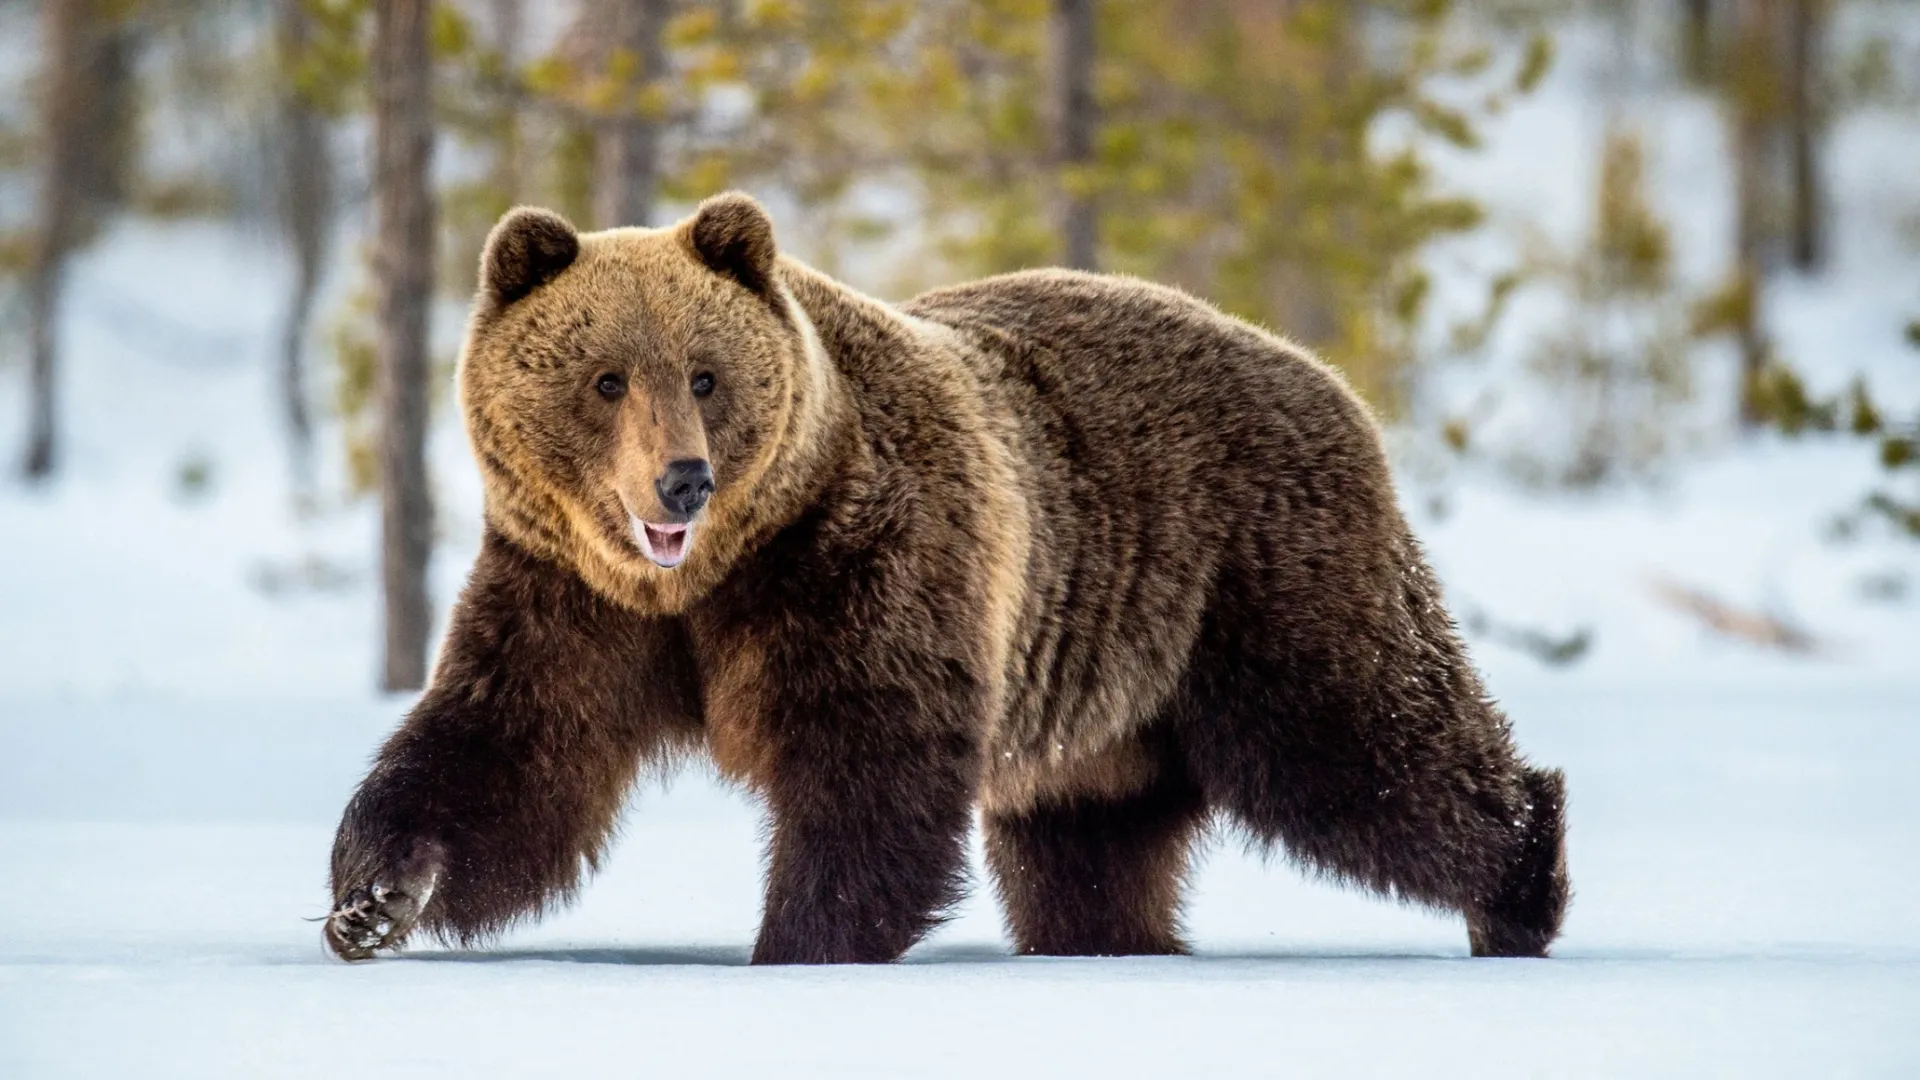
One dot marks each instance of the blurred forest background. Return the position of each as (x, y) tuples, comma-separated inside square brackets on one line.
[(1277, 157)]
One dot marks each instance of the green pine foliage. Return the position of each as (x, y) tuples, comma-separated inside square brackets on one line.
[(1233, 151), (1619, 366), (1786, 405)]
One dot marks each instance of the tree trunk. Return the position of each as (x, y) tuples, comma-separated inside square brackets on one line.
[(1073, 129), (1753, 122), (1697, 38), (64, 128), (1805, 40), (306, 213), (629, 143), (403, 263)]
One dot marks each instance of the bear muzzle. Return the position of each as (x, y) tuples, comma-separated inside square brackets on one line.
[(683, 489)]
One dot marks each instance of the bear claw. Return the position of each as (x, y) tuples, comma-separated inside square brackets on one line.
[(370, 919), (380, 915)]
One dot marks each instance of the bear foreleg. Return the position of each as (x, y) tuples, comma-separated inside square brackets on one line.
[(870, 821), (505, 780)]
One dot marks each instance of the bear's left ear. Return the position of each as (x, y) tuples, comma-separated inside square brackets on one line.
[(527, 249), (734, 236)]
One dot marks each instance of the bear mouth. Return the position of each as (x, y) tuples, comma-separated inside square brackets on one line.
[(665, 545)]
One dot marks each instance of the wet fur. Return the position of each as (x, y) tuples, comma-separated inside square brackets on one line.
[(1077, 551)]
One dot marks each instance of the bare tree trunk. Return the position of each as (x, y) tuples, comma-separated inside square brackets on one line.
[(403, 262), (1751, 99), (1805, 39), (629, 144), (1697, 38), (63, 111), (307, 213), (1073, 129)]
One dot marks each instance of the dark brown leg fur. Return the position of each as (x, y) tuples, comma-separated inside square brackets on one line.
[(1097, 878), (858, 885), (1524, 913), (871, 793), (503, 783), (869, 839), (1388, 769)]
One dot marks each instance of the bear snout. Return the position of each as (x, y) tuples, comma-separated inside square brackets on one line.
[(685, 487)]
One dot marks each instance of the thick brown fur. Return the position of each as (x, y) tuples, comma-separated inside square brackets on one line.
[(1079, 551)]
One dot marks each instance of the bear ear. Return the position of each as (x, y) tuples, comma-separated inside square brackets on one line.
[(733, 235), (527, 249)]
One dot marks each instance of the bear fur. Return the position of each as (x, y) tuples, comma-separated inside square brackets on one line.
[(1079, 552)]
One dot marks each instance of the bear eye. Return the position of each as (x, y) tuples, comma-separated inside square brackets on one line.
[(611, 385), (703, 384)]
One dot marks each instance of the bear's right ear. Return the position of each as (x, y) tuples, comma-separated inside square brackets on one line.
[(527, 249)]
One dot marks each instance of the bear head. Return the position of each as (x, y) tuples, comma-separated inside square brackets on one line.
[(640, 400)]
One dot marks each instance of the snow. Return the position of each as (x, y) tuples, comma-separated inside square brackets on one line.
[(176, 742), (1743, 860)]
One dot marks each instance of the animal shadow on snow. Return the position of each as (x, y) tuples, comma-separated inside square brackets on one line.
[(959, 954)]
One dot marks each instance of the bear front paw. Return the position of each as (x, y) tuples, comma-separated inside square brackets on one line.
[(381, 914)]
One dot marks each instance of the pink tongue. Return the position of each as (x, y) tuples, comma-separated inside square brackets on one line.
[(667, 544)]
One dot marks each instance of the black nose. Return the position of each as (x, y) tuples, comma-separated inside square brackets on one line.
[(685, 487)]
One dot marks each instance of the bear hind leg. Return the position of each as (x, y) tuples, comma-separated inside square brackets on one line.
[(1419, 797), (1523, 915), (1090, 876)]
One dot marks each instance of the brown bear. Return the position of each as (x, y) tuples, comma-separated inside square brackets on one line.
[(1078, 551)]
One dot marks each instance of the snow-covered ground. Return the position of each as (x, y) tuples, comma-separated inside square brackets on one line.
[(1744, 860), (183, 712)]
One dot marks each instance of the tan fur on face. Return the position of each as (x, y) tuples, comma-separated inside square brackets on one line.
[(653, 431), (564, 469)]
